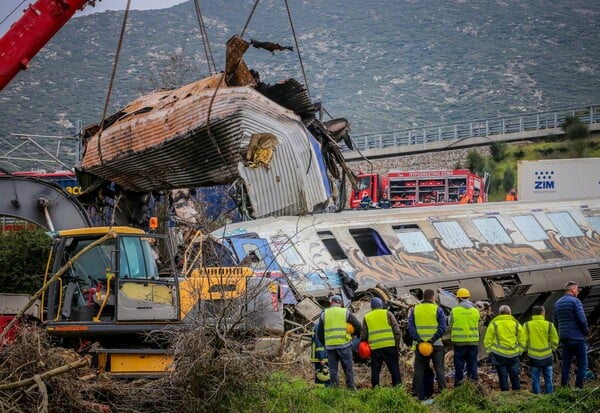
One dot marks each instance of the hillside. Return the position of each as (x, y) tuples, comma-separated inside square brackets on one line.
[(388, 66)]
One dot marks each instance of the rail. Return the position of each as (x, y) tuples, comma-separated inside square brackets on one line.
[(530, 122)]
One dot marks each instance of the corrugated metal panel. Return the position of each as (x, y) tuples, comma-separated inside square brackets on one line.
[(161, 141), (293, 184), (171, 147)]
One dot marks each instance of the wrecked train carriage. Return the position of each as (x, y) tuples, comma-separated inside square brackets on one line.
[(227, 129), (520, 254)]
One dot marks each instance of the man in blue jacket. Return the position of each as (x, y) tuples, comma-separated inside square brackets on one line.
[(573, 329)]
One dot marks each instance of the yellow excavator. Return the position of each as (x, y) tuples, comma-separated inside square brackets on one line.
[(107, 288)]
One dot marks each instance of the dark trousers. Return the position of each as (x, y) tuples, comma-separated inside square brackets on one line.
[(389, 356), (422, 363), (465, 355), (570, 349), (507, 367), (343, 356), (428, 379)]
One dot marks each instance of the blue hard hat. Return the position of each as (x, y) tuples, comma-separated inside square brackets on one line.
[(376, 303)]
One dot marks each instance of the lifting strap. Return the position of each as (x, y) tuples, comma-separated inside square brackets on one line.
[(112, 79)]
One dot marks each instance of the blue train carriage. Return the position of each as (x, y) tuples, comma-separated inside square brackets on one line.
[(516, 253)]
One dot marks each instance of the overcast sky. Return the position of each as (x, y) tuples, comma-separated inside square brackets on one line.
[(7, 6)]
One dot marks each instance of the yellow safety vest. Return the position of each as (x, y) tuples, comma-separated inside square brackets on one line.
[(380, 330), (542, 337), (335, 330), (426, 323), (465, 325), (505, 336)]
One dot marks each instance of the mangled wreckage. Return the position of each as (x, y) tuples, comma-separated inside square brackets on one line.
[(227, 129)]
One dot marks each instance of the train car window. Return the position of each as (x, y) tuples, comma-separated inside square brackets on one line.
[(565, 224), (332, 245), (529, 227), (412, 238), (284, 248), (492, 230), (370, 242), (453, 234), (253, 257), (595, 221)]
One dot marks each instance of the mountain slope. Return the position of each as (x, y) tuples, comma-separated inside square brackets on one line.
[(388, 65)]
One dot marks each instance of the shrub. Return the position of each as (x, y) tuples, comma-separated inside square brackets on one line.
[(508, 179), (579, 148), (23, 256), (520, 154), (498, 151), (475, 162), (574, 128)]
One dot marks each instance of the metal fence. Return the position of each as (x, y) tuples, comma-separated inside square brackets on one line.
[(475, 128)]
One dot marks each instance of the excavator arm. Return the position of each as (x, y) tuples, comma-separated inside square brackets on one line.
[(31, 32)]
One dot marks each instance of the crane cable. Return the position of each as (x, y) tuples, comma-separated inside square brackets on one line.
[(11, 13), (204, 35), (287, 7), (112, 79), (249, 18)]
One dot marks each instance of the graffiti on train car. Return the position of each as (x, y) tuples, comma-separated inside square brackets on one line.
[(481, 258), (443, 261), (574, 247)]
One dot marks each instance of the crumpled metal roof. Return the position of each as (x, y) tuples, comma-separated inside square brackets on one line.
[(198, 135)]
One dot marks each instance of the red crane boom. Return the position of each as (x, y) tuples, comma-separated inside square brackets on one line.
[(31, 32)]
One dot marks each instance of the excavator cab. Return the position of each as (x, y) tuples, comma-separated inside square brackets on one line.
[(118, 285)]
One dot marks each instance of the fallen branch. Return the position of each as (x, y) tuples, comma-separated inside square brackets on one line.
[(50, 373), (43, 406)]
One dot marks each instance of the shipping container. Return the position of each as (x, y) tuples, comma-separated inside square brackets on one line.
[(559, 179)]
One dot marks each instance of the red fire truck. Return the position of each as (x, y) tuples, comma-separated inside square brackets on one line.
[(419, 188)]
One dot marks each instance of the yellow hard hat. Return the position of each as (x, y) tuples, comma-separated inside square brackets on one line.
[(323, 374), (350, 329), (425, 348), (463, 293)]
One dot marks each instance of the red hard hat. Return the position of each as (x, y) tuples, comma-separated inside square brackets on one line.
[(364, 350)]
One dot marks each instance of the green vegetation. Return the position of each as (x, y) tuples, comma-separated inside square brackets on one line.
[(574, 128), (283, 393), (23, 256), (504, 158), (470, 398)]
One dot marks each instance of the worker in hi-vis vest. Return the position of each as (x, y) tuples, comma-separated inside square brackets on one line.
[(334, 333), (427, 324), (464, 322), (381, 330), (542, 340), (505, 340)]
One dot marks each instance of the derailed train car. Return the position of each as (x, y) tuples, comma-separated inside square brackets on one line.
[(514, 253)]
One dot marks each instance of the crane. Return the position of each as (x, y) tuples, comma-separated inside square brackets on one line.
[(39, 23)]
